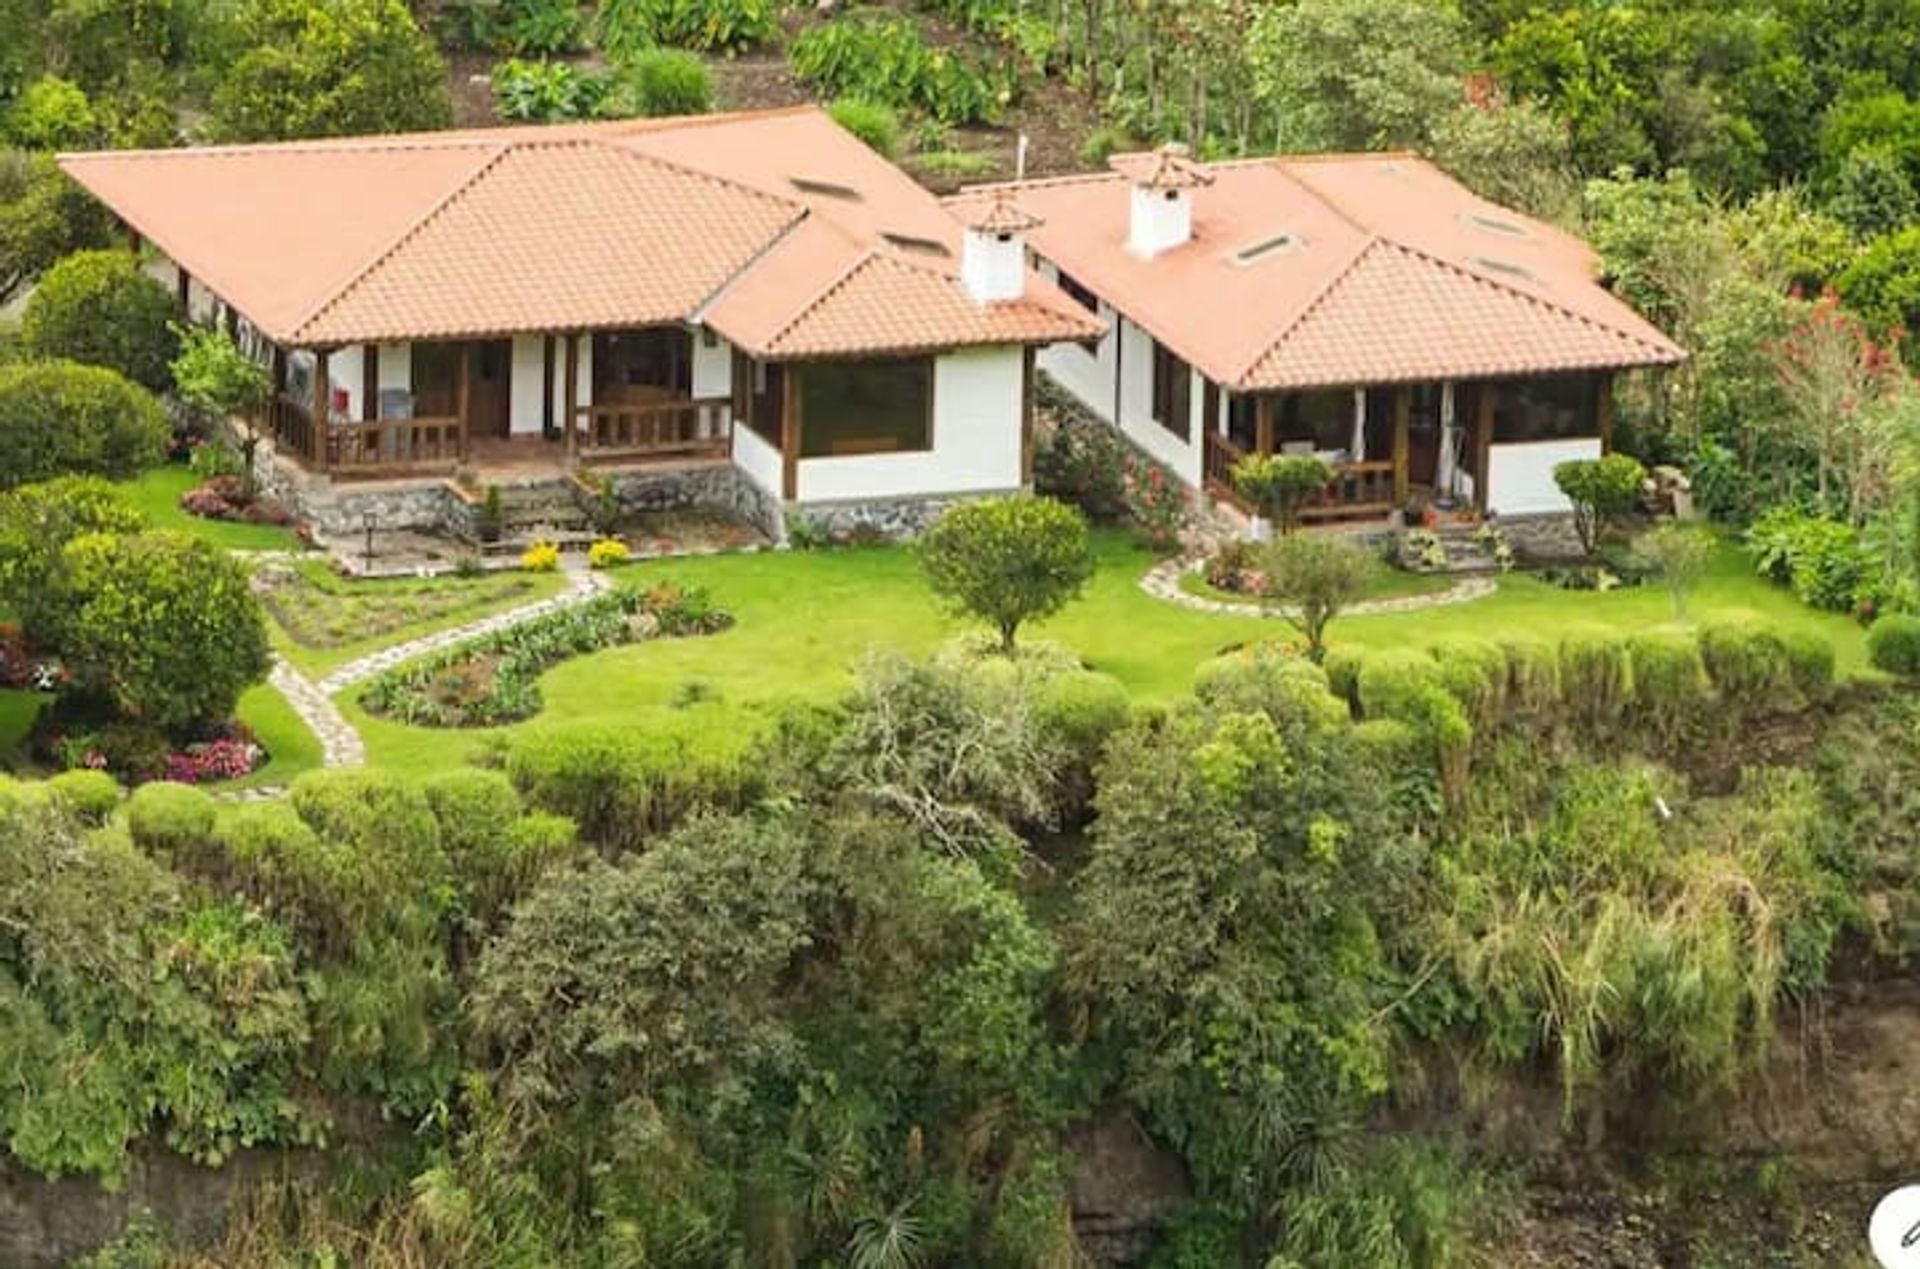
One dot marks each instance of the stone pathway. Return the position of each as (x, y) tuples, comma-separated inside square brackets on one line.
[(1163, 582), (340, 743)]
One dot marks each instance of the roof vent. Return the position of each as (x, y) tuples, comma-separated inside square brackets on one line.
[(1253, 253), (825, 189), (1161, 197), (1507, 267), (922, 246), (1495, 225), (993, 251)]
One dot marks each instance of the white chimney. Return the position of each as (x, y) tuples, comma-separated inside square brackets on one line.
[(993, 252), (1161, 185)]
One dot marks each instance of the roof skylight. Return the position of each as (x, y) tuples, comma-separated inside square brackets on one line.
[(825, 189), (921, 246), (1507, 267), (1493, 224), (1254, 252)]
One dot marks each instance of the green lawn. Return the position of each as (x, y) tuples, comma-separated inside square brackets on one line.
[(157, 492), (805, 618)]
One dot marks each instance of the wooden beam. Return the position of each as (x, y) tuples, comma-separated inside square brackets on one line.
[(1483, 444), (570, 394), (1263, 423), (1603, 410), (1026, 416), (462, 396), (183, 292), (546, 385), (790, 424), (1402, 438), (322, 407), (370, 382)]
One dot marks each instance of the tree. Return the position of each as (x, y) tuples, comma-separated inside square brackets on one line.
[(1680, 554), (1873, 193), (59, 418), (163, 625), (43, 216), (1834, 373), (1279, 483), (321, 68), (216, 378), (1599, 489), (52, 114), (1357, 74), (1315, 577), (1512, 153), (1008, 560), (97, 307), (36, 524)]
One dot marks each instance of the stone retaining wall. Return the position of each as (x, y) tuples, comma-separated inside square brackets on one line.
[(719, 486), (884, 519)]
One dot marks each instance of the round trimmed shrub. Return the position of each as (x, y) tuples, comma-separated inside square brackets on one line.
[(36, 523), (1893, 645), (1008, 560), (1410, 686), (161, 624), (60, 418), (1670, 683), (1292, 692), (873, 123), (1389, 744), (1810, 665), (1474, 671), (1748, 664), (93, 796), (171, 821), (97, 307), (1082, 708)]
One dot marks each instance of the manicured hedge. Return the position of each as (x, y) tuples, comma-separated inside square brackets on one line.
[(1893, 645)]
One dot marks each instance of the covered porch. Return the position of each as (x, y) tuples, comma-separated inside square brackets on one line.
[(1453, 443)]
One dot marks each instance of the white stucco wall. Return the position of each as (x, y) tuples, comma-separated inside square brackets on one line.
[(1520, 477), (976, 439), (344, 368), (396, 366), (525, 380), (712, 367), (760, 459)]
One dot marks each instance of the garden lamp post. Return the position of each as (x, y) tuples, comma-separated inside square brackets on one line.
[(367, 523)]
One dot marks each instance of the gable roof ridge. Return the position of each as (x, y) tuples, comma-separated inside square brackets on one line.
[(619, 142), (819, 297), (642, 126), (360, 273), (312, 145), (1295, 319), (986, 189)]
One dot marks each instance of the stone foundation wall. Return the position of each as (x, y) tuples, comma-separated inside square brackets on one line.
[(879, 519), (720, 487), (1547, 537)]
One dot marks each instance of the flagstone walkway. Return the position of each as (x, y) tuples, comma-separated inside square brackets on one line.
[(1163, 582)]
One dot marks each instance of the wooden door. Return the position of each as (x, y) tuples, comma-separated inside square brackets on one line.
[(1423, 435), (490, 388)]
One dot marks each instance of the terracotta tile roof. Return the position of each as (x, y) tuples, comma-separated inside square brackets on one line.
[(1340, 270), (1165, 168), (741, 221)]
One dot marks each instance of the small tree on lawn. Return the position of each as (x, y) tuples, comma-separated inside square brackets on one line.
[(217, 379), (1600, 489), (1279, 484), (1680, 554), (162, 625), (1316, 578), (1008, 560)]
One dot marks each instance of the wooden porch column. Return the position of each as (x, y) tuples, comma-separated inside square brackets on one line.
[(183, 292), (1603, 410), (1263, 423), (1026, 416), (134, 241), (370, 383), (790, 424), (570, 392), (546, 386), (1483, 445), (462, 393), (1402, 436), (322, 407)]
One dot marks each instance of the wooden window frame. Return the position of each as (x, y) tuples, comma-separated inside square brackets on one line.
[(1172, 392)]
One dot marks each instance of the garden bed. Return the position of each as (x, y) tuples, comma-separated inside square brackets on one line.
[(494, 679), (321, 611)]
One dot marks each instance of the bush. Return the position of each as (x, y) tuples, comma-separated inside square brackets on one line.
[(1081, 461), (1893, 645), (1600, 489), (521, 27), (1596, 675), (1007, 560), (1474, 671), (60, 418), (621, 786), (882, 56), (664, 81), (1411, 687), (873, 123), (96, 307), (161, 624), (170, 821), (93, 796), (1533, 675), (627, 28), (216, 378), (1824, 560), (53, 114), (1278, 484), (608, 553), (1294, 693), (545, 92), (1749, 665), (1080, 709), (1679, 554), (1315, 577), (1810, 665), (36, 524), (541, 557), (1670, 682)]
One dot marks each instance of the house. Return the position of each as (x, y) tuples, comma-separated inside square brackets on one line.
[(1366, 308), (759, 293)]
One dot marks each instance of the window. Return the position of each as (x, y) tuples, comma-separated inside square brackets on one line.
[(866, 407), (1172, 393), (1078, 293), (763, 385), (642, 365), (1321, 421), (1554, 407)]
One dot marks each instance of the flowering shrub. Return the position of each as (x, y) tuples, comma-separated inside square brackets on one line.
[(608, 553), (137, 754), (1492, 537), (20, 669), (1157, 504), (225, 497), (541, 557), (228, 758), (1423, 551)]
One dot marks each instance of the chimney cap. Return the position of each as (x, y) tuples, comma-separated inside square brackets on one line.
[(1168, 167), (1001, 215)]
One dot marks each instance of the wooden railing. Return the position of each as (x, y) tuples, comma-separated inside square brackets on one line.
[(1356, 489), (700, 425), (291, 426), (1217, 459), (380, 446)]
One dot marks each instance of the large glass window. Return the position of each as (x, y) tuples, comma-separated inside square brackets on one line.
[(1551, 408), (1172, 393), (1315, 422), (866, 407), (641, 365)]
